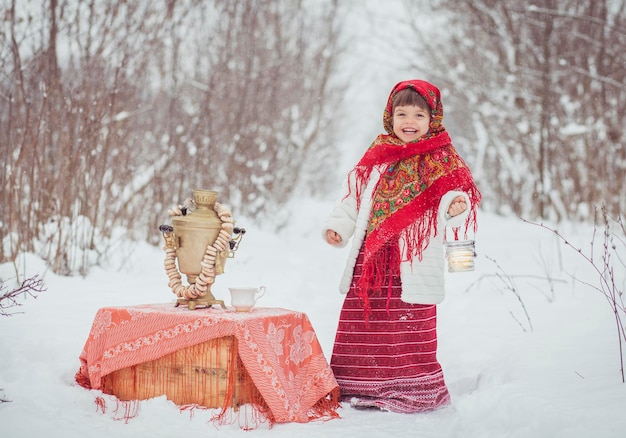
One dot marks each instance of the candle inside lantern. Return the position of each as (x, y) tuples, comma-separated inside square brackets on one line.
[(460, 255)]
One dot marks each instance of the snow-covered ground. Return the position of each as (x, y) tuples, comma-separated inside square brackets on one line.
[(560, 379)]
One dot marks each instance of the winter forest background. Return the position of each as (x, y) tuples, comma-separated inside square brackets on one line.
[(113, 110)]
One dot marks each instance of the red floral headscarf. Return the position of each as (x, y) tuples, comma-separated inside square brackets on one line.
[(406, 198)]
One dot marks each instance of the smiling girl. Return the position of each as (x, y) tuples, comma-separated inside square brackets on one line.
[(407, 187)]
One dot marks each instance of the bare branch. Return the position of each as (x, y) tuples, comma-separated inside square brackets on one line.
[(30, 287), (604, 268)]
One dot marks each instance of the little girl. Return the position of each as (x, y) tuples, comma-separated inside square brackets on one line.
[(408, 186)]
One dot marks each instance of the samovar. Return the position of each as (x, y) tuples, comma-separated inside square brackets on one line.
[(202, 236)]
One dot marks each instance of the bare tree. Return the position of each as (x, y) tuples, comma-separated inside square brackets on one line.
[(115, 110), (539, 98), (256, 100), (72, 81)]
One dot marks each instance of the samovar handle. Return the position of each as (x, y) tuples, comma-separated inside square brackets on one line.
[(168, 236)]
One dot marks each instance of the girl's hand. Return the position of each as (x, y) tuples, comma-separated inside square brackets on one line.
[(457, 206), (332, 237)]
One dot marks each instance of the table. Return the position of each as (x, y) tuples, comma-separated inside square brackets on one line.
[(278, 348)]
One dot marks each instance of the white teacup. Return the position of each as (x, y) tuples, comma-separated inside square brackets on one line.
[(244, 298)]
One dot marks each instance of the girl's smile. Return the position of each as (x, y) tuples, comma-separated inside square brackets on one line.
[(410, 122)]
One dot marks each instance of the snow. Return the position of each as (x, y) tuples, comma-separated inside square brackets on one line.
[(560, 379)]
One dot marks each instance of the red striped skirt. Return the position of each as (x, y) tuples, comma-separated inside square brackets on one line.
[(389, 362)]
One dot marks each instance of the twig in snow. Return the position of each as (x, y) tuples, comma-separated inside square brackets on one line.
[(605, 268), (509, 284), (29, 287)]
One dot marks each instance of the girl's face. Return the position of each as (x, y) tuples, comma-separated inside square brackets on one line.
[(410, 122)]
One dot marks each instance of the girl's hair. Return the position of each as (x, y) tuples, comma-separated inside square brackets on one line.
[(409, 96)]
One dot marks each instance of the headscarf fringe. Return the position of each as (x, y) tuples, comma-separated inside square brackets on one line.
[(384, 264)]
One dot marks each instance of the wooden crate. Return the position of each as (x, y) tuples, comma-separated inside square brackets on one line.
[(209, 374)]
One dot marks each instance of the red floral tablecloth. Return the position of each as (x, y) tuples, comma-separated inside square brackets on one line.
[(278, 347)]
